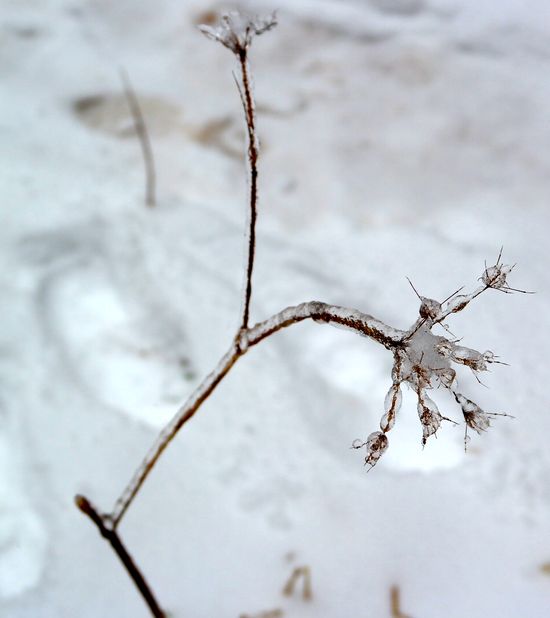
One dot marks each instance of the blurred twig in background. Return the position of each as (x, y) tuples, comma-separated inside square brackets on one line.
[(395, 603), (144, 140)]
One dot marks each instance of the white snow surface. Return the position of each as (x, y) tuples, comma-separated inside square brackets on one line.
[(400, 138)]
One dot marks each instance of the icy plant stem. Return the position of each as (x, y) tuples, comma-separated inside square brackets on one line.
[(185, 413), (361, 323), (111, 535), (252, 159)]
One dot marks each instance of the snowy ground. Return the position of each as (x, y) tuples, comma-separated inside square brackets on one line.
[(400, 138)]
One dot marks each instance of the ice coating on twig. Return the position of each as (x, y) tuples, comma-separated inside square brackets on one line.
[(376, 444), (323, 313), (392, 404), (236, 30)]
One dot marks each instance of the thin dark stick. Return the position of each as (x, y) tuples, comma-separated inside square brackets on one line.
[(110, 535), (143, 136), (252, 158)]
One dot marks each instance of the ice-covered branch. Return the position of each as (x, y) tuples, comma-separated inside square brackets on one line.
[(361, 323), (236, 31), (421, 359), (321, 313)]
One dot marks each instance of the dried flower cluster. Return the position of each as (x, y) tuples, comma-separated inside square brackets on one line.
[(236, 30), (424, 360)]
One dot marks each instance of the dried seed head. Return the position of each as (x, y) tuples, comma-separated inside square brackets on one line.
[(236, 30), (376, 445), (446, 376), (495, 276), (445, 348), (475, 417), (468, 357), (429, 415), (471, 358), (429, 308), (478, 421)]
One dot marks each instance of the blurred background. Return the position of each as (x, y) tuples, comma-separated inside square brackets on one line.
[(400, 138)]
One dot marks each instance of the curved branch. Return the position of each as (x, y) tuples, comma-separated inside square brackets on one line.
[(362, 323), (357, 321)]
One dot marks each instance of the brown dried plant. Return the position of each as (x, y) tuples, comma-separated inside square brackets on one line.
[(299, 573), (421, 359), (395, 603)]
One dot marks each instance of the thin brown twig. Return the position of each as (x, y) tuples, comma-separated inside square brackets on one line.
[(252, 159), (109, 533), (143, 135)]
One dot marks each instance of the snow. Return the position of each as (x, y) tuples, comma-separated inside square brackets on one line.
[(400, 138)]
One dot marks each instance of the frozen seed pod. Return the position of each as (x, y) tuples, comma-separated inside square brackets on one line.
[(429, 308), (429, 415), (476, 418), (392, 404), (376, 444), (495, 276)]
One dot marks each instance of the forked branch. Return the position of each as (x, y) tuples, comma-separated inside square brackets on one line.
[(422, 360), (361, 323)]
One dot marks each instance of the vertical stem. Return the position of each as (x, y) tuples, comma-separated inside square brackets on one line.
[(143, 136), (252, 157)]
